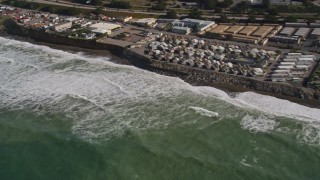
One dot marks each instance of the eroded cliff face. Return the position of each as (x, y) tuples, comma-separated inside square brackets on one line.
[(217, 77)]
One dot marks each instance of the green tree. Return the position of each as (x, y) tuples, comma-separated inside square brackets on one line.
[(225, 3), (93, 2), (195, 13), (270, 18), (120, 4), (252, 18), (161, 6), (291, 19), (213, 35), (229, 36), (96, 2), (172, 14), (210, 4), (266, 3), (51, 9), (223, 19), (97, 11), (273, 11), (241, 7)]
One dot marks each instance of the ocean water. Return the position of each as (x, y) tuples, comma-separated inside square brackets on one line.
[(72, 116)]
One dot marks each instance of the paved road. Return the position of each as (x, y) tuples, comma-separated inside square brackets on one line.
[(90, 7), (317, 2)]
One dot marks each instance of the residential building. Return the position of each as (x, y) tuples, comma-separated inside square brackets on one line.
[(103, 28), (315, 33), (62, 27), (196, 24), (147, 22), (181, 30)]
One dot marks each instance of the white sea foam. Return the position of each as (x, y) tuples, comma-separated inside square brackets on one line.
[(310, 133), (204, 112), (280, 107), (261, 124), (101, 97), (5, 60), (105, 96)]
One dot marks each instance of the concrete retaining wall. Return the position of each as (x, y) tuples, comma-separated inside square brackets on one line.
[(217, 77)]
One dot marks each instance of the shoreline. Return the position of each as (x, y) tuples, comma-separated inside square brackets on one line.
[(124, 60)]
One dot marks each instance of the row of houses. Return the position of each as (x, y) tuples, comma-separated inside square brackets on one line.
[(57, 23), (209, 55), (276, 2), (293, 67), (246, 33), (302, 32)]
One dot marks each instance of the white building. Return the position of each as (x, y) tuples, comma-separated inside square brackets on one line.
[(125, 19), (181, 30), (103, 28), (315, 33), (53, 17), (287, 31), (255, 2), (62, 27), (305, 61), (303, 32), (280, 2), (198, 25), (74, 20), (149, 22)]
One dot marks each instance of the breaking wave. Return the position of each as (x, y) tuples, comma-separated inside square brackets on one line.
[(310, 133), (105, 99), (259, 124), (280, 107), (204, 112)]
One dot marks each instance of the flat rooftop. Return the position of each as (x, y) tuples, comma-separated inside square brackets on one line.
[(316, 32), (303, 32), (248, 30), (288, 31), (263, 31), (234, 29), (108, 26), (219, 29)]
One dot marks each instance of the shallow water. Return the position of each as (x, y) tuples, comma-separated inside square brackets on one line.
[(68, 116)]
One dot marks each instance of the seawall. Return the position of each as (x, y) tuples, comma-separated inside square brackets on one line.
[(198, 74)]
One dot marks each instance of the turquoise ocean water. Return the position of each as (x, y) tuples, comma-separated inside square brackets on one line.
[(74, 117)]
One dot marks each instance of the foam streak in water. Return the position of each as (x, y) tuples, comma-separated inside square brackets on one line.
[(204, 112)]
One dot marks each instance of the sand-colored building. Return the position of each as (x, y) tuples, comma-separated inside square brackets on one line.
[(234, 29), (248, 30), (245, 39), (262, 31), (219, 29)]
